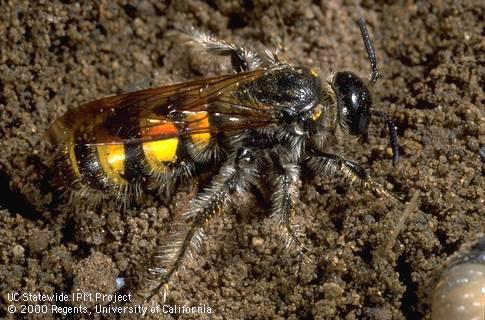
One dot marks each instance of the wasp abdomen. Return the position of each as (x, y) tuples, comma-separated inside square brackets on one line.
[(121, 167)]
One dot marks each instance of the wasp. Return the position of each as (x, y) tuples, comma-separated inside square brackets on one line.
[(267, 116)]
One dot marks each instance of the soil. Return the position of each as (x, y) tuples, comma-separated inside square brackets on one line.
[(371, 257)]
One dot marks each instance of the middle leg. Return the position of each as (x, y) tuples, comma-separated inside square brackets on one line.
[(283, 209)]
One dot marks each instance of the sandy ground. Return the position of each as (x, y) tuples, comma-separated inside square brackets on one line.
[(373, 258)]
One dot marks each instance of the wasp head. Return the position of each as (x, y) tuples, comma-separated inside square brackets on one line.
[(354, 107), (353, 102)]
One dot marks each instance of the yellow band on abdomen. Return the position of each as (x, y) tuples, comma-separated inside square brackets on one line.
[(112, 158), (69, 150), (158, 152), (164, 146), (199, 121)]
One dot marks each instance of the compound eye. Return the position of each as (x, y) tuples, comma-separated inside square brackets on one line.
[(354, 101)]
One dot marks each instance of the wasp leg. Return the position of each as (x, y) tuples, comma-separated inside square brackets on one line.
[(242, 59), (186, 241), (284, 207), (331, 163)]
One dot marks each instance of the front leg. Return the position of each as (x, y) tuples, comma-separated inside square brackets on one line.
[(186, 241), (331, 163)]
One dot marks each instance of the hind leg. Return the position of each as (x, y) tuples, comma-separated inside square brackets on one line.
[(242, 59), (186, 240)]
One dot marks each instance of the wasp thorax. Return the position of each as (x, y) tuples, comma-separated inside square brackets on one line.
[(459, 293), (353, 101)]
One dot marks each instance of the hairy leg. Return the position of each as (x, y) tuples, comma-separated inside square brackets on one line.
[(186, 240), (331, 163), (285, 197), (242, 59)]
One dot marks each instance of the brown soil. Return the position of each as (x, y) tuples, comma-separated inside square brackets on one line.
[(373, 257)]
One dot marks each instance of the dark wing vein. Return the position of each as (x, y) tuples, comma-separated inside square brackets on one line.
[(133, 117)]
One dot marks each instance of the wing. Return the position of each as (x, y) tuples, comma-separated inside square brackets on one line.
[(165, 112)]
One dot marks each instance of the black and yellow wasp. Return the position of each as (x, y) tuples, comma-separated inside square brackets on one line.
[(268, 116)]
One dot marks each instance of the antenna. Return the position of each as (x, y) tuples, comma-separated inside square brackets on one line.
[(370, 52)]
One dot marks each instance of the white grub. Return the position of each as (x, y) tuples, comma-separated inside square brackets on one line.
[(460, 292)]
